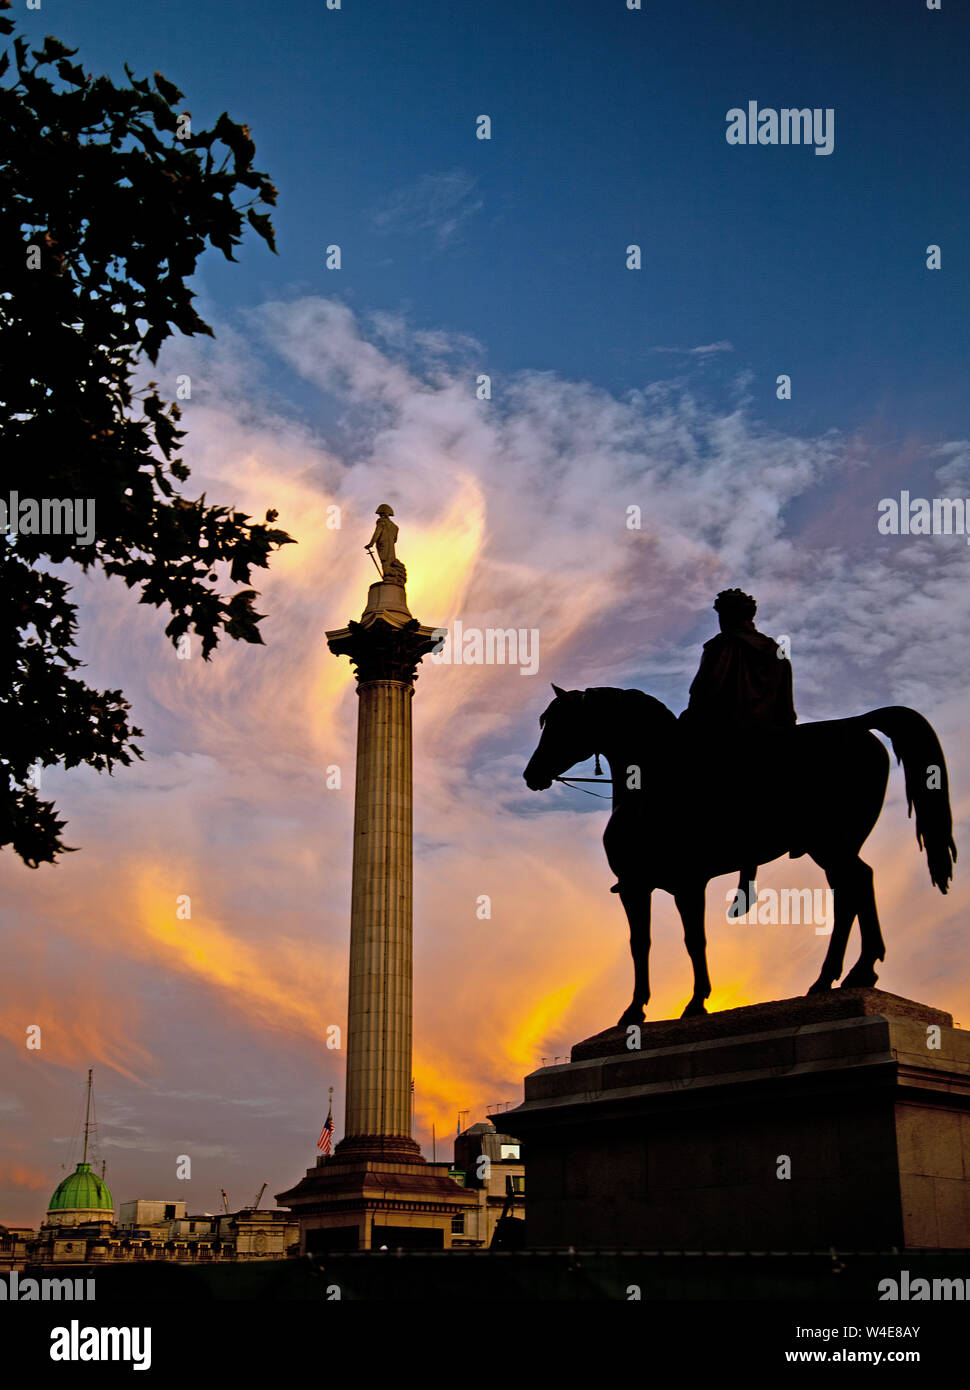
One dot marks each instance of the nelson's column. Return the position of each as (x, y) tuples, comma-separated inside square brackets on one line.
[(377, 1189)]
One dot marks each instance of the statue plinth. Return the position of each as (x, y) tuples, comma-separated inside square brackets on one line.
[(832, 1120), (388, 601)]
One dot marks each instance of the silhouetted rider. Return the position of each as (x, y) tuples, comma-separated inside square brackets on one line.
[(743, 689), (744, 684)]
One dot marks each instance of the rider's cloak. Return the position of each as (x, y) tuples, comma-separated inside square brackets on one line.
[(743, 684)]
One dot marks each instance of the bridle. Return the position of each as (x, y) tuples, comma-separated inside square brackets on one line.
[(599, 778), (603, 781)]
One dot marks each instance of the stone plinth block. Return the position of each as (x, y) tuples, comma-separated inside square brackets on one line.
[(837, 1120), (359, 1201)]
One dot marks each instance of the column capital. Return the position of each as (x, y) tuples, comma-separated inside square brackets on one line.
[(387, 643)]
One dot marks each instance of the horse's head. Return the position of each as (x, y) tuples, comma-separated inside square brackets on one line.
[(566, 739), (580, 723)]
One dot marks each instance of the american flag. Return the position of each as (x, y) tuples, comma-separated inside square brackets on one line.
[(326, 1134)]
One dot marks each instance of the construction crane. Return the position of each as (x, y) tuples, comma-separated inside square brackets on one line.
[(225, 1199), (257, 1198)]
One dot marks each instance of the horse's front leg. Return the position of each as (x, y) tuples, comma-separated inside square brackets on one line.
[(690, 905), (636, 903)]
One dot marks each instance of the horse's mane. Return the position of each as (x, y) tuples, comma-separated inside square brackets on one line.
[(634, 703)]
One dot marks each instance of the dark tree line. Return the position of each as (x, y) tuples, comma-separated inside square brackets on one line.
[(108, 197)]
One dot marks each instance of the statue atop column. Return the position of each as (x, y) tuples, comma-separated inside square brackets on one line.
[(383, 539)]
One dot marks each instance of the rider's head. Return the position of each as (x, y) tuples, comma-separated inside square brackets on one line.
[(734, 608)]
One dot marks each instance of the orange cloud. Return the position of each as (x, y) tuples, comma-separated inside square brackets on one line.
[(511, 517), (279, 984), (82, 1025), (20, 1175)]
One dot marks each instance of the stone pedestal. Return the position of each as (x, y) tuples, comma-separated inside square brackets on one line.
[(837, 1120), (364, 1203)]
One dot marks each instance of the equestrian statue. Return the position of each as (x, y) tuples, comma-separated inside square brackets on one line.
[(736, 782)]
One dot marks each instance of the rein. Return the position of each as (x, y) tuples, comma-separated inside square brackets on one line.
[(568, 781)]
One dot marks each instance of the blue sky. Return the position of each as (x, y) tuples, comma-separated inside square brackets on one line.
[(348, 388), (608, 129)]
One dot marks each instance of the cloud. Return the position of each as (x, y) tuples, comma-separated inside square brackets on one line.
[(705, 350), (954, 474), (435, 206), (21, 1175), (605, 524)]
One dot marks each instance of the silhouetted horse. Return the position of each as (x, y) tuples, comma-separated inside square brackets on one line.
[(683, 813)]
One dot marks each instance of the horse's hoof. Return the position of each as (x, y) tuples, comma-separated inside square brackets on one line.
[(859, 979), (693, 1009), (820, 987), (634, 1014)]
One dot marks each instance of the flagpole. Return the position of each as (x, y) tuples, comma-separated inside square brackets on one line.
[(327, 1130)]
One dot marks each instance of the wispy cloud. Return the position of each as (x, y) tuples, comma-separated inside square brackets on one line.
[(435, 206), (705, 349), (513, 513)]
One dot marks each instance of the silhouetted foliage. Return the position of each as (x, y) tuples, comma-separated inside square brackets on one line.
[(107, 200)]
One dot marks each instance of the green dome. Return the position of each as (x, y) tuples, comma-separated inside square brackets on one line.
[(82, 1191)]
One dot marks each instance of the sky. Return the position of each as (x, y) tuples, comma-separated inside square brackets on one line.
[(611, 389)]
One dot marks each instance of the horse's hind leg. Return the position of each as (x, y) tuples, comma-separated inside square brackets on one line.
[(636, 903), (843, 882), (745, 893), (863, 973), (690, 905)]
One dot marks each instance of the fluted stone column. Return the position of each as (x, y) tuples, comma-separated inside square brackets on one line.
[(376, 1187), (386, 647), (379, 1015)]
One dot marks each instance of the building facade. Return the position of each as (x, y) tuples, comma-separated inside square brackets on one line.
[(490, 1166), (80, 1229)]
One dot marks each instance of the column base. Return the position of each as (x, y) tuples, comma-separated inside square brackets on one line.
[(392, 1148), (373, 1201)]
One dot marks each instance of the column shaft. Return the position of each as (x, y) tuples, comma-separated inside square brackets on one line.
[(379, 1014)]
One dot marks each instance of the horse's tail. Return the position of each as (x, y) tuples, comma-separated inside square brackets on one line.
[(927, 788)]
